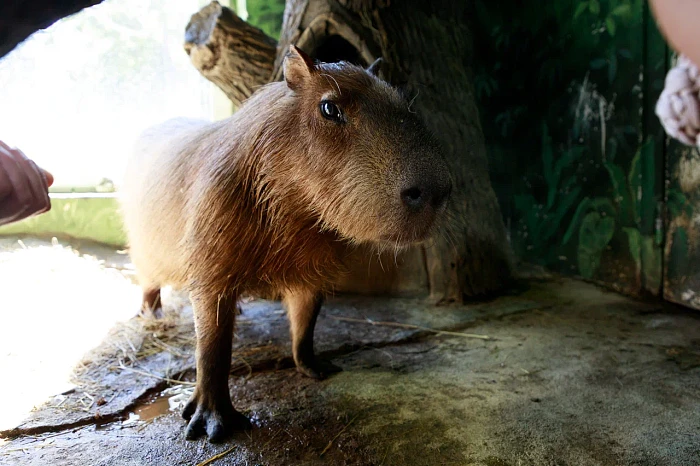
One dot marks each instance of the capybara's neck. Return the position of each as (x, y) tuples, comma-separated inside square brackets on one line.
[(263, 166), (248, 197)]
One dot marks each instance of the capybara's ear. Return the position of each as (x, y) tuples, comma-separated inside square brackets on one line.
[(298, 66), (375, 67)]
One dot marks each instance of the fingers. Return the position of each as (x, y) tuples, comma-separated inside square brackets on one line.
[(39, 186), (9, 150), (48, 176), (39, 183), (5, 182), (23, 186), (19, 201), (36, 179)]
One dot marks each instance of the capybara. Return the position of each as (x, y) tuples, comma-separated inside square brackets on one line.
[(267, 201)]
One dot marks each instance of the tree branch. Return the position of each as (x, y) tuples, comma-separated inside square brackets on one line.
[(229, 52)]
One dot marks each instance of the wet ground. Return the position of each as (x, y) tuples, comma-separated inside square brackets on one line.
[(560, 373)]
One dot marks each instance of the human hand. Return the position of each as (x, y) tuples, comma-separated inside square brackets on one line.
[(677, 20), (23, 186)]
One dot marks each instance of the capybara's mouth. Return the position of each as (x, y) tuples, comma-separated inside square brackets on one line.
[(404, 240)]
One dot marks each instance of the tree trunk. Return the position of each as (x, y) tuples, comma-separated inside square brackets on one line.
[(427, 47)]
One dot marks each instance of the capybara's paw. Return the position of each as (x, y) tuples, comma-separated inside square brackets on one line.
[(216, 420), (318, 370)]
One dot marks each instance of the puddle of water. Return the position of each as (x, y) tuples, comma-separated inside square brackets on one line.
[(169, 400), (172, 399), (156, 408)]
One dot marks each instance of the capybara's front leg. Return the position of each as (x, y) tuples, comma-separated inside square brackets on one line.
[(210, 410), (303, 307)]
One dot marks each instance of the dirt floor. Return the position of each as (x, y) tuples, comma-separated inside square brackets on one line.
[(561, 373)]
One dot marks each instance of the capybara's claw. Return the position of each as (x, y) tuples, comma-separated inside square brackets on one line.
[(310, 372), (208, 422), (318, 370), (216, 423), (189, 410)]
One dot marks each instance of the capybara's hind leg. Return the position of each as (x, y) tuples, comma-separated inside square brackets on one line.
[(303, 307), (151, 305), (210, 410)]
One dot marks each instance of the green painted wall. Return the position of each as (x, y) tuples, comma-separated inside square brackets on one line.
[(682, 251), (566, 92)]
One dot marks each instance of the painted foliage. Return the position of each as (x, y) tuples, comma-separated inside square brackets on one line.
[(566, 92), (682, 252)]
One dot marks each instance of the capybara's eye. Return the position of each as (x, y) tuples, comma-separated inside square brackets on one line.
[(330, 111)]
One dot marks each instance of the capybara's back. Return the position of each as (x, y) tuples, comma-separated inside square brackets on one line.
[(269, 200), (153, 201)]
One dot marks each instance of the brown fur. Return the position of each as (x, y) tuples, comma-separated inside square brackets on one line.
[(267, 202)]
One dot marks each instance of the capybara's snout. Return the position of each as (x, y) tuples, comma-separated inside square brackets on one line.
[(426, 194)]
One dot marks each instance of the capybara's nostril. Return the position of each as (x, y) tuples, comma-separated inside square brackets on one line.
[(413, 198), (418, 198)]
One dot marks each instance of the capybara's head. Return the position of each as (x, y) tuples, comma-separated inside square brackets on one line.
[(373, 172)]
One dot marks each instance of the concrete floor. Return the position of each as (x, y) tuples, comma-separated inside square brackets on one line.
[(561, 373)]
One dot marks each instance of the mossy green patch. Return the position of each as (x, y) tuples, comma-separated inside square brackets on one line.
[(86, 217)]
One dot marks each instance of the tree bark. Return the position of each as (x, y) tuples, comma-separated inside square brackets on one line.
[(427, 47), (229, 52)]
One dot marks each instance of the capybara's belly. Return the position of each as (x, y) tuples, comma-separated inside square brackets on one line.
[(154, 193)]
